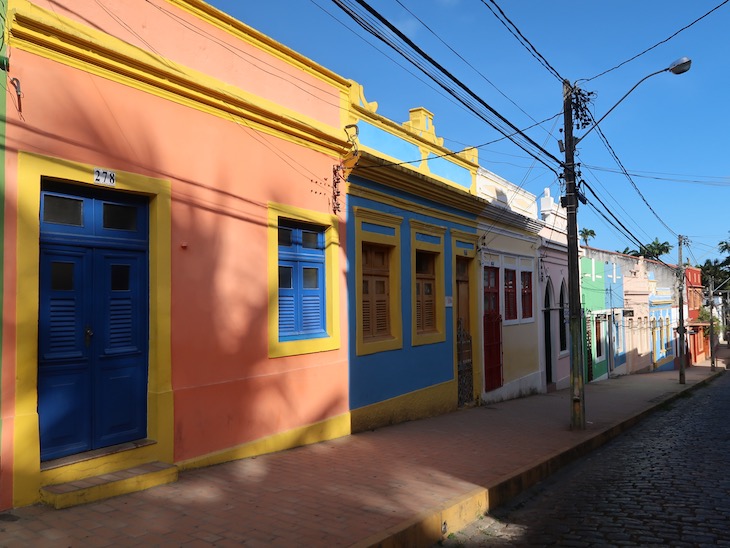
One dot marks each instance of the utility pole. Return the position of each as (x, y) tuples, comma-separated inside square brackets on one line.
[(577, 416), (712, 324), (680, 328)]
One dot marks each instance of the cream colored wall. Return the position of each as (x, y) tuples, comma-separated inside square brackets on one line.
[(520, 350)]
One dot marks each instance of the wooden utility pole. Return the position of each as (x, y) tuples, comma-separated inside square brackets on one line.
[(680, 327), (577, 415), (712, 324)]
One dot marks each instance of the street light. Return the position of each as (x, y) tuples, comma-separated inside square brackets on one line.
[(577, 418)]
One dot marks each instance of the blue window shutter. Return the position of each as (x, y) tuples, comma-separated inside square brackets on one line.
[(287, 315), (311, 313), (121, 323), (302, 307), (63, 327)]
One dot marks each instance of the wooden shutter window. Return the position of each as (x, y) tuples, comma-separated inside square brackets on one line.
[(425, 292), (375, 305)]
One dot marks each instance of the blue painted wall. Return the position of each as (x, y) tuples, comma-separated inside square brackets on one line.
[(384, 375)]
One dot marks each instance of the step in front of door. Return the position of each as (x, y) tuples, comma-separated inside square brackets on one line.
[(131, 480)]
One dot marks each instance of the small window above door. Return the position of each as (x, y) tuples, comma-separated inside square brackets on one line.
[(76, 213), (62, 210)]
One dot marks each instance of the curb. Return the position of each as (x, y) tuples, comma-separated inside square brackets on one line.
[(433, 525)]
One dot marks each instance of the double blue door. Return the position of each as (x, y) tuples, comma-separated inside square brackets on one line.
[(93, 321)]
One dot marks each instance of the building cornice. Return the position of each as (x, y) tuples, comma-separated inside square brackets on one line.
[(402, 177), (54, 37)]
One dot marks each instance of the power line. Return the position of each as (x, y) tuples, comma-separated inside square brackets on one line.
[(472, 101), (617, 203), (626, 231), (658, 43), (677, 178), (514, 31), (455, 153), (487, 80), (626, 173), (440, 90)]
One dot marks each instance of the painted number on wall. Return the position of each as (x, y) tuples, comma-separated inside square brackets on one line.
[(104, 177)]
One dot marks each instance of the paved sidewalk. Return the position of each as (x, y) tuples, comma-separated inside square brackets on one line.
[(397, 486)]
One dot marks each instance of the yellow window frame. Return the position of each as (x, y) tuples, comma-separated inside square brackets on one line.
[(362, 235), (330, 223), (435, 232)]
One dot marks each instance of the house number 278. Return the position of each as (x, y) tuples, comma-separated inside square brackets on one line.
[(105, 177)]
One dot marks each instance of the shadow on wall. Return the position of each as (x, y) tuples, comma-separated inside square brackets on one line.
[(225, 387)]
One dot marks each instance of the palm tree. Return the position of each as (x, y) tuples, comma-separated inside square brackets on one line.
[(586, 234), (655, 249), (713, 269), (724, 247), (628, 251)]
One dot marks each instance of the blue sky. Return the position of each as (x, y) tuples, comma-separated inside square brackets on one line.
[(670, 133)]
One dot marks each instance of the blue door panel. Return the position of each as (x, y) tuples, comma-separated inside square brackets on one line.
[(121, 379), (93, 321), (64, 273), (121, 412), (63, 411), (64, 405)]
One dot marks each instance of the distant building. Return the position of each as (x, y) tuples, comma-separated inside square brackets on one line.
[(698, 342)]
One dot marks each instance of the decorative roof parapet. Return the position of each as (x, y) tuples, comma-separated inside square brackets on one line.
[(413, 144), (421, 123), (502, 193)]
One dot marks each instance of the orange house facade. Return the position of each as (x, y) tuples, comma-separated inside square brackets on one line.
[(699, 348), (174, 262)]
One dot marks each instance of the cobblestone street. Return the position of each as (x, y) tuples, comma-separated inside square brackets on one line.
[(662, 483)]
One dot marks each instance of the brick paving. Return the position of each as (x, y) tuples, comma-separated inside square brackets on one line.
[(390, 486)]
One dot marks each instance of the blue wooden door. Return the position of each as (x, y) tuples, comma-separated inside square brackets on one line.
[(93, 333)]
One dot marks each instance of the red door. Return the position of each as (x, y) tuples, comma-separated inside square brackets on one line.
[(492, 330)]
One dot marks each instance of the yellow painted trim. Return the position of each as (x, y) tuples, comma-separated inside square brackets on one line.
[(401, 203), (422, 169), (466, 159), (362, 215), (243, 32), (48, 35), (329, 429), (331, 226), (428, 402), (418, 227), (27, 477), (474, 297)]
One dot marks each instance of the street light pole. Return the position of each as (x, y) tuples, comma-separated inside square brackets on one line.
[(577, 389)]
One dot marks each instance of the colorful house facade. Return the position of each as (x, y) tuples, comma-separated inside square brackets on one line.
[(553, 276), (699, 349), (640, 297), (442, 259), (602, 297), (413, 280), (509, 240), (636, 313), (174, 265)]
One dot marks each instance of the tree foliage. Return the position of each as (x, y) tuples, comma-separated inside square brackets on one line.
[(652, 250), (655, 249), (586, 234)]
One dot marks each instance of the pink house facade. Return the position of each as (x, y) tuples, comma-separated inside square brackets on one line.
[(170, 205), (553, 275)]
